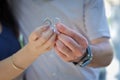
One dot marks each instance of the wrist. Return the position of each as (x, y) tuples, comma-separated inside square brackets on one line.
[(86, 59), (24, 57)]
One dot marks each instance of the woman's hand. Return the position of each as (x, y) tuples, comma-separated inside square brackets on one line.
[(41, 40)]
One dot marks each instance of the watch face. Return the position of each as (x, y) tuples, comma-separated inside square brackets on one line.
[(87, 59)]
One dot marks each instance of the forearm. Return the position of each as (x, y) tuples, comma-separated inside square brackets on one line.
[(102, 53), (41, 40), (7, 71), (22, 58)]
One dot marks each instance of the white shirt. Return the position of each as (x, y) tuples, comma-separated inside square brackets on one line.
[(87, 15)]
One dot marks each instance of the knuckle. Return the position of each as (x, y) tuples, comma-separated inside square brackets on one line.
[(68, 51), (73, 34), (79, 53), (76, 48), (62, 46), (43, 39), (68, 41)]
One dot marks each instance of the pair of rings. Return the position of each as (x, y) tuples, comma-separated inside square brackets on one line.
[(51, 22)]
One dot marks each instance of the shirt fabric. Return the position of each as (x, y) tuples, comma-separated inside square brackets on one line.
[(9, 44), (88, 15)]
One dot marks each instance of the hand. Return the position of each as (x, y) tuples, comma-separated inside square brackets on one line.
[(70, 45), (42, 40)]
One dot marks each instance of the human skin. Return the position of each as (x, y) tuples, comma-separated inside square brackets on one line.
[(71, 46), (41, 40)]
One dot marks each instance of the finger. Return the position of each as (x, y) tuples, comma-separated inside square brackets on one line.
[(65, 30), (45, 37), (63, 49), (79, 38), (37, 33), (60, 54), (50, 43), (69, 42), (72, 45)]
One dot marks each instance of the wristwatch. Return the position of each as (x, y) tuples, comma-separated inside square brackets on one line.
[(86, 59)]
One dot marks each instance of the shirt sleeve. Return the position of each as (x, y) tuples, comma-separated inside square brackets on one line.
[(95, 19)]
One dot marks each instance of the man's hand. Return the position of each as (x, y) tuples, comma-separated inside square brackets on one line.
[(70, 45)]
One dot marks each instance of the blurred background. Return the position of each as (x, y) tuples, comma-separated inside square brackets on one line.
[(112, 72)]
